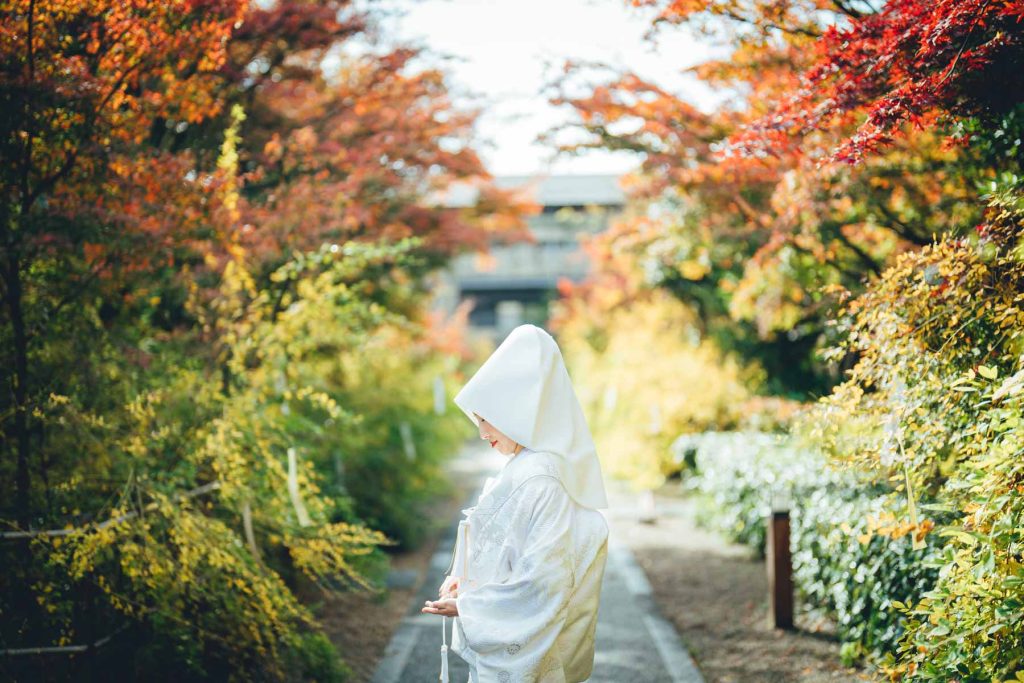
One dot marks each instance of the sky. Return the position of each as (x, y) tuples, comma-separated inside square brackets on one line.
[(500, 53)]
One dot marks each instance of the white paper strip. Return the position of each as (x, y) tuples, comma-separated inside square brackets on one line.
[(610, 398), (339, 471), (655, 424), (405, 429), (440, 399), (250, 537), (459, 565), (293, 489)]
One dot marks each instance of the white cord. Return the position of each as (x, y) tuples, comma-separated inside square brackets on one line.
[(444, 650)]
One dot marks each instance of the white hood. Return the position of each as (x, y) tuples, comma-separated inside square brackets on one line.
[(524, 390)]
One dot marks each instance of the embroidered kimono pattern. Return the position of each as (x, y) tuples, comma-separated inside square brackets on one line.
[(528, 610)]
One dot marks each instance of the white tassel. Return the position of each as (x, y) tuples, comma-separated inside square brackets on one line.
[(444, 651)]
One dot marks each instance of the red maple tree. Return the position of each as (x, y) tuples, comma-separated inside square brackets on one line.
[(913, 61)]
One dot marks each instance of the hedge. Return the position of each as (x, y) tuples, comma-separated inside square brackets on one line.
[(839, 569)]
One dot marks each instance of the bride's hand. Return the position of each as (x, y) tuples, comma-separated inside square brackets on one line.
[(446, 607), (450, 587)]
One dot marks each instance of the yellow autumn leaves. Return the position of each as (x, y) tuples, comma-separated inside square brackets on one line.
[(653, 379)]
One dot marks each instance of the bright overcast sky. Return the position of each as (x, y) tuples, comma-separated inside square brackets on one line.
[(504, 51)]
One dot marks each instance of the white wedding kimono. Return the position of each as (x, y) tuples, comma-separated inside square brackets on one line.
[(532, 564)]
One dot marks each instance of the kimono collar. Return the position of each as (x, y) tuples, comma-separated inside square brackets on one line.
[(524, 389)]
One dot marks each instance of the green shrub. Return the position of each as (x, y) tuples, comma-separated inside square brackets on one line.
[(933, 407), (210, 583), (857, 582), (318, 660), (969, 626), (388, 382)]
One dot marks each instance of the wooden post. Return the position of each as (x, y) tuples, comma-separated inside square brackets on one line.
[(780, 569)]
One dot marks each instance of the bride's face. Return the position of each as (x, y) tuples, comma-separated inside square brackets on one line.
[(494, 437)]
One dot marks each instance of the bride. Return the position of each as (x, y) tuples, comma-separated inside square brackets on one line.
[(525, 585)]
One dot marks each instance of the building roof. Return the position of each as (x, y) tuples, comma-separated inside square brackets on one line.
[(549, 190)]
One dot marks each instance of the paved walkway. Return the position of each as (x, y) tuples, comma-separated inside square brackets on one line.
[(635, 644)]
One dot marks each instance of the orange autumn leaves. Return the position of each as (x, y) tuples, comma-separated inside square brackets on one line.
[(776, 224), (87, 86), (119, 110), (354, 156), (887, 524)]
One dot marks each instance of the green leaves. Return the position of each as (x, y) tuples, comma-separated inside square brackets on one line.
[(957, 363), (988, 372), (964, 537)]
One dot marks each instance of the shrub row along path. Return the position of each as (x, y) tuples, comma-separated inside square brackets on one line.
[(635, 643)]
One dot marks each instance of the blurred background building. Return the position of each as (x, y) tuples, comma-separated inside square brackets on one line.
[(515, 283)]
